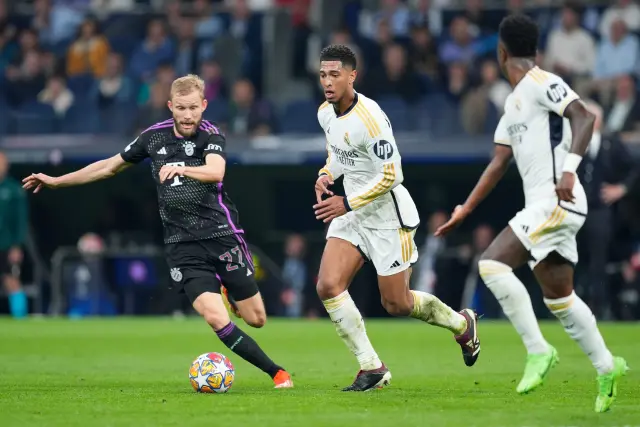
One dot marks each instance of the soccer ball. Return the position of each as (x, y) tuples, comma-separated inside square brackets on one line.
[(211, 373)]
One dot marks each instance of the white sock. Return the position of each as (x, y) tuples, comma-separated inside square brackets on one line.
[(580, 324), (430, 309), (350, 326), (515, 302)]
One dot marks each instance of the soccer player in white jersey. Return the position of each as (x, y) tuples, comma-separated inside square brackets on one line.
[(375, 222), (547, 129)]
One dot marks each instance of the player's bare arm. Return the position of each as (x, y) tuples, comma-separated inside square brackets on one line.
[(97, 171), (212, 171), (490, 177), (581, 121)]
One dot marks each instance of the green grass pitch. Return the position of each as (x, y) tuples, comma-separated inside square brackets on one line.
[(134, 372)]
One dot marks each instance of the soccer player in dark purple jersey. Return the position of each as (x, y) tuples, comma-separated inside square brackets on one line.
[(204, 242)]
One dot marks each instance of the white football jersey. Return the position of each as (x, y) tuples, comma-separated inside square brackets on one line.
[(361, 146), (540, 137)]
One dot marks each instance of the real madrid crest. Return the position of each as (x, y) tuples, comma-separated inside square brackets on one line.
[(346, 138), (189, 148)]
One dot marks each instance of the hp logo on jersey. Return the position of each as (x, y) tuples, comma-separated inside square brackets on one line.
[(383, 149), (556, 93)]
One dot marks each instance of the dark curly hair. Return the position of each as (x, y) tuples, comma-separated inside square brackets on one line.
[(520, 34), (339, 52)]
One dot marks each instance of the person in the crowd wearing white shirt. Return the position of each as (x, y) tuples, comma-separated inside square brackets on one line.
[(570, 50), (624, 115), (627, 10)]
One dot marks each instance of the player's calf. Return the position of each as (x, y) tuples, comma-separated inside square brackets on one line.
[(252, 311)]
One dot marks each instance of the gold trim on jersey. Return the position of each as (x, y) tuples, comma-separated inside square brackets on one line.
[(406, 244), (551, 224), (368, 120), (388, 178), (326, 171), (323, 105), (538, 75)]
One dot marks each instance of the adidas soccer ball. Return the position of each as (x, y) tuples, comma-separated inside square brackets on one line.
[(211, 373)]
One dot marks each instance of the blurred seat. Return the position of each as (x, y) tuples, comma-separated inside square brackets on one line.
[(397, 111), (81, 118), (34, 118), (300, 117)]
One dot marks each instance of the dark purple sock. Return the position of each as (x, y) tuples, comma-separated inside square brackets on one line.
[(245, 346)]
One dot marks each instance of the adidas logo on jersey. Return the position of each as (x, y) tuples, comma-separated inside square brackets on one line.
[(249, 273), (395, 264), (162, 151)]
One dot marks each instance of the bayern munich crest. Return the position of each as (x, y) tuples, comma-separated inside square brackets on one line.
[(176, 274), (189, 148)]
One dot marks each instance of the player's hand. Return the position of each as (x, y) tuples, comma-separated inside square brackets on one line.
[(15, 256), (564, 189), (458, 215), (170, 172), (38, 181), (329, 209), (611, 193), (322, 187)]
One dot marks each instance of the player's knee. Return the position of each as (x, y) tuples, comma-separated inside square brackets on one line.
[(400, 307), (255, 319), (328, 288), (217, 319), (488, 268)]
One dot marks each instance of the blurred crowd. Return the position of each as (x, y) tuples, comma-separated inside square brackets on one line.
[(95, 66)]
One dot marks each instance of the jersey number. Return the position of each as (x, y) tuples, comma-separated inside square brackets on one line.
[(176, 179), (228, 258)]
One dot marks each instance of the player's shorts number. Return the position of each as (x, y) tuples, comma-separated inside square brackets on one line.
[(176, 179), (229, 256)]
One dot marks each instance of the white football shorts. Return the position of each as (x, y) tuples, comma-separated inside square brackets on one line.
[(391, 251), (546, 227)]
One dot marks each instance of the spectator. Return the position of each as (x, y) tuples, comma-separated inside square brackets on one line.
[(187, 48), (25, 80), (476, 294), (424, 54), (570, 50), (164, 75), (394, 12), (208, 25), (618, 54), (57, 94), (624, 115), (458, 84), (294, 272), (114, 87), (28, 42), (57, 22), (425, 14), (481, 19), (155, 110), (607, 172), (461, 47), (156, 49), (492, 93), (14, 223), (396, 78), (215, 87), (431, 250), (625, 10), (8, 49), (88, 53), (248, 115)]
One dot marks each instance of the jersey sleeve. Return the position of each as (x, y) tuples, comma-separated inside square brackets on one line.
[(216, 144), (501, 135), (381, 148), (136, 151), (332, 167), (555, 95)]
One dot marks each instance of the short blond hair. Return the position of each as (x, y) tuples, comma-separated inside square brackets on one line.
[(187, 84)]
